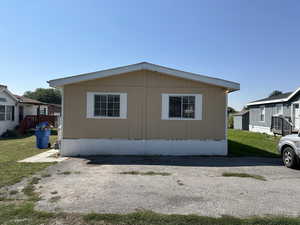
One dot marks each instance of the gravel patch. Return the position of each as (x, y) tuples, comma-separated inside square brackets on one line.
[(195, 186)]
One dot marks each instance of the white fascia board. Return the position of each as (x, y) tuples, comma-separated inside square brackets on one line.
[(231, 86), (267, 102), (10, 94), (281, 100)]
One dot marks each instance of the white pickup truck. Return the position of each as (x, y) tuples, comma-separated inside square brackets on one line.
[(289, 148)]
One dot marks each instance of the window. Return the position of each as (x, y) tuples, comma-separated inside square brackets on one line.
[(181, 106), (10, 113), (106, 105), (3, 100), (43, 111), (2, 112), (7, 112), (262, 113), (279, 109)]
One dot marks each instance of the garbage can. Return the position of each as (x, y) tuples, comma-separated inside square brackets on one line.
[(42, 134)]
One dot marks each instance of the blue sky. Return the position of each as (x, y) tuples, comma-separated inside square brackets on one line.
[(253, 42)]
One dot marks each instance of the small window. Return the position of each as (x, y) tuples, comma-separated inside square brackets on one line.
[(43, 111), (3, 100), (262, 113), (106, 105), (9, 112), (296, 106), (2, 112), (181, 106)]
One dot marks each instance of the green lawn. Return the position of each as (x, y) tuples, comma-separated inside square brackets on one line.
[(245, 143), (26, 215), (12, 150)]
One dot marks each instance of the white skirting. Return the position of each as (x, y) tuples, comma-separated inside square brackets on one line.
[(260, 129), (77, 147)]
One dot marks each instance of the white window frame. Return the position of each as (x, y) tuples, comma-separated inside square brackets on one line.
[(91, 105), (3, 113), (8, 112), (262, 111), (281, 109), (165, 106)]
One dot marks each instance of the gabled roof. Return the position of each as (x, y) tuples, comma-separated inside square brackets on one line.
[(4, 89), (275, 99), (229, 85), (241, 113), (26, 100)]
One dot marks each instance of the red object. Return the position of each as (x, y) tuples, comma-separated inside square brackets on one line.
[(31, 121)]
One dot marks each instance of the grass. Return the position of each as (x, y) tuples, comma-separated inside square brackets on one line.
[(29, 190), (149, 173), (26, 215), (46, 175), (244, 175), (13, 192), (64, 173), (245, 143), (151, 218), (12, 150), (54, 199), (22, 214)]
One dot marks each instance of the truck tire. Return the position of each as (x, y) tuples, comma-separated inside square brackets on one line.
[(289, 157)]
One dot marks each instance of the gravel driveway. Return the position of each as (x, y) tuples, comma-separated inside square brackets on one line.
[(195, 186)]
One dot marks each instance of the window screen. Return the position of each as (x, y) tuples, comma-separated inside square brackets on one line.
[(181, 106), (107, 105)]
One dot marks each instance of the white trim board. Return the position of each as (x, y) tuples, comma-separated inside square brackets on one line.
[(91, 105), (4, 89), (260, 129), (229, 85), (82, 147), (281, 100), (165, 106)]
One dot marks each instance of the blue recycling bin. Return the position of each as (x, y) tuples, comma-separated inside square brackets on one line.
[(42, 134)]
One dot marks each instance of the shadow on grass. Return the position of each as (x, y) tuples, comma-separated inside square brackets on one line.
[(241, 150), (17, 137)]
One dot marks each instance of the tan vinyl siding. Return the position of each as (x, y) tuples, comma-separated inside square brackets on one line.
[(144, 89)]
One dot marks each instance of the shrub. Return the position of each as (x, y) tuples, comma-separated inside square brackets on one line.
[(53, 132), (11, 134), (230, 122)]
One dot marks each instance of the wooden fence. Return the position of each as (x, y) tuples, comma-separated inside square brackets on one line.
[(30, 122)]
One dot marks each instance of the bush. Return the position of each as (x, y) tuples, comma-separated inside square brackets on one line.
[(53, 132), (230, 122), (11, 134)]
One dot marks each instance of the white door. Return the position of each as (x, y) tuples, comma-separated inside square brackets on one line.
[(297, 115)]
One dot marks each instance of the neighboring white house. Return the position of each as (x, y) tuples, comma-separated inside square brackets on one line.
[(8, 110), (30, 107), (15, 108)]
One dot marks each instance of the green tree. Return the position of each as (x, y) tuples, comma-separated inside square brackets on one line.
[(47, 95), (230, 110), (274, 93)]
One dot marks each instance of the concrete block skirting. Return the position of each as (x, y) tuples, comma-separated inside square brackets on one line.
[(77, 147)]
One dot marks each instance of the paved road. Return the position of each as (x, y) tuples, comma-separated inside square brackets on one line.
[(195, 186)]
